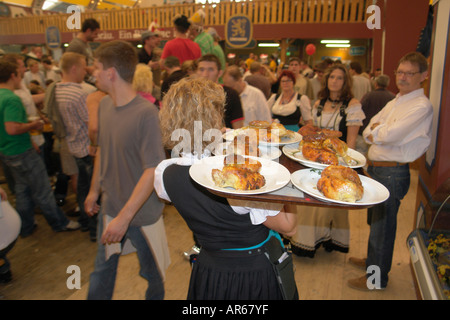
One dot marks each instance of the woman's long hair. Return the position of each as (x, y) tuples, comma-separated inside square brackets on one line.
[(346, 91)]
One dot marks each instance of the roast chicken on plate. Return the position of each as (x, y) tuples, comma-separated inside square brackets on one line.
[(310, 130), (340, 183), (324, 146), (315, 152), (265, 131), (239, 173)]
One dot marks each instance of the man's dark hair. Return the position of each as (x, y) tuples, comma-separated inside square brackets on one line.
[(171, 62), (91, 24), (12, 57), (294, 59), (182, 23), (6, 70), (119, 55), (210, 58), (356, 66)]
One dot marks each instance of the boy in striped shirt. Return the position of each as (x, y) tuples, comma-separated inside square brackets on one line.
[(71, 100)]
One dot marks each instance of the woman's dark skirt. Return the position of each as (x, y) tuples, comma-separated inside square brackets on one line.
[(233, 275)]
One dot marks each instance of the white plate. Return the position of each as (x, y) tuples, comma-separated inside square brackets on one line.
[(306, 181), (276, 175), (293, 138), (266, 152), (293, 152)]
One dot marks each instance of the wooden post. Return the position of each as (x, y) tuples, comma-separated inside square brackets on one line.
[(284, 45)]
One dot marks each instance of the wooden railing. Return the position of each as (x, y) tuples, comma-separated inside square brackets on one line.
[(259, 12)]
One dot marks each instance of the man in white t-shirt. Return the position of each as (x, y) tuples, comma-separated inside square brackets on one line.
[(361, 84), (399, 134), (254, 103), (302, 84)]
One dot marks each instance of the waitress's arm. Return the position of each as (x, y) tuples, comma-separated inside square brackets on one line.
[(284, 222)]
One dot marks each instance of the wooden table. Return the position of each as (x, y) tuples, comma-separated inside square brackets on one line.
[(290, 194)]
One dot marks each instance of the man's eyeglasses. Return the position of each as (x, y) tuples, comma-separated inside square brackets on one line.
[(407, 74)]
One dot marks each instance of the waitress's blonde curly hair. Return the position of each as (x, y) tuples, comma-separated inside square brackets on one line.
[(191, 99)]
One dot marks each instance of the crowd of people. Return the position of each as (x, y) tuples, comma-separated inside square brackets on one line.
[(112, 113)]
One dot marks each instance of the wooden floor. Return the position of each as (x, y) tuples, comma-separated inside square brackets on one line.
[(39, 263)]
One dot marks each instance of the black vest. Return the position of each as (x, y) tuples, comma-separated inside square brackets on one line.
[(343, 114), (293, 118), (214, 223)]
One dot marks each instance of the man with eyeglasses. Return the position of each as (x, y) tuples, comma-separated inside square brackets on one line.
[(399, 134)]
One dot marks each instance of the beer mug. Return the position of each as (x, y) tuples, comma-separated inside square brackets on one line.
[(34, 132)]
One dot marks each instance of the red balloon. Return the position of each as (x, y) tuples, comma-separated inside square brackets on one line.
[(310, 49)]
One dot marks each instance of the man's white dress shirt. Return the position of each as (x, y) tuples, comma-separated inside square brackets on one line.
[(404, 133), (254, 105)]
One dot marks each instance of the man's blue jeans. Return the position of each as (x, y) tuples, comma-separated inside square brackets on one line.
[(85, 168), (32, 188), (103, 278), (382, 218)]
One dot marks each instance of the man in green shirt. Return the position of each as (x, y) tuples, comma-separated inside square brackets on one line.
[(17, 152), (202, 38), (217, 49)]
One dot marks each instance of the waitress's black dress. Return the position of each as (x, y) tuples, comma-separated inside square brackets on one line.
[(217, 273)]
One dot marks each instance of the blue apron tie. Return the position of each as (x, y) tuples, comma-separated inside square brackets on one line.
[(271, 234)]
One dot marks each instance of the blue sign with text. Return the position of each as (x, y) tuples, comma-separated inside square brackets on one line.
[(357, 51)]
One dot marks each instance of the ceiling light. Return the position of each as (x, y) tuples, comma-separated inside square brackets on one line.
[(334, 41), (268, 45), (48, 4), (337, 45)]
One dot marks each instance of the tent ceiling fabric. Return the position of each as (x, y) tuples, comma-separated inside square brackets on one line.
[(106, 5), (63, 4), (83, 3), (126, 3), (22, 3)]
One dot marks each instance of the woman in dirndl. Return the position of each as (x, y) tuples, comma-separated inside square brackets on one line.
[(232, 233), (336, 109)]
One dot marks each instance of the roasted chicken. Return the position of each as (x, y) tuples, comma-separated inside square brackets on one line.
[(269, 132), (240, 162), (339, 147), (259, 124), (323, 146), (282, 131), (310, 130), (239, 173), (340, 183), (238, 179), (315, 152)]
